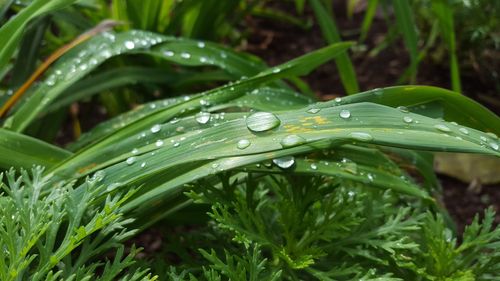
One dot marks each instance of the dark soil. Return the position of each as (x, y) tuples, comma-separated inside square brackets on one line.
[(277, 42)]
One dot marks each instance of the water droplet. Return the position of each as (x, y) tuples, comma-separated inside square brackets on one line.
[(442, 128), (159, 143), (143, 164), (313, 110), (223, 55), (284, 162), (177, 144), (130, 160), (338, 99), (203, 59), (292, 140), (155, 129), (201, 44), (314, 166), (202, 117), (135, 151), (361, 136), (345, 114), (407, 119), (242, 144), (370, 177), (185, 55), (262, 121), (403, 109), (464, 131), (494, 145), (98, 176), (169, 53), (276, 70), (129, 45)]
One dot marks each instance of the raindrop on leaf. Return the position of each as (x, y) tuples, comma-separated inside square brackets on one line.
[(292, 140), (361, 136), (202, 117), (262, 121), (242, 144), (284, 162), (130, 160), (345, 114), (442, 128), (155, 129)]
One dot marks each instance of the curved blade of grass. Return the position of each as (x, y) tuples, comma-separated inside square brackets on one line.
[(296, 67), (261, 99), (444, 13), (79, 62), (331, 35), (368, 19), (407, 28), (11, 32), (368, 124), (17, 150), (84, 58), (110, 79), (199, 53), (455, 107)]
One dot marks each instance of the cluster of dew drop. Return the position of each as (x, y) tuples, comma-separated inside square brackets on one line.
[(99, 49), (184, 55), (260, 122)]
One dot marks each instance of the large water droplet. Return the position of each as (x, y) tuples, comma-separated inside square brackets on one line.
[(345, 114), (155, 129), (361, 136), (130, 160), (442, 128), (203, 117), (159, 143), (169, 53), (262, 121), (242, 144), (314, 166), (185, 55), (338, 99), (407, 119), (284, 162), (143, 164), (292, 140), (201, 44), (129, 45), (135, 151)]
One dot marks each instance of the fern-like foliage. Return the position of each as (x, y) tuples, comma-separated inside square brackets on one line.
[(57, 232), (292, 227)]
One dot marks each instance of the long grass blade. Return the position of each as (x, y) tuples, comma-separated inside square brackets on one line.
[(407, 28), (332, 35)]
